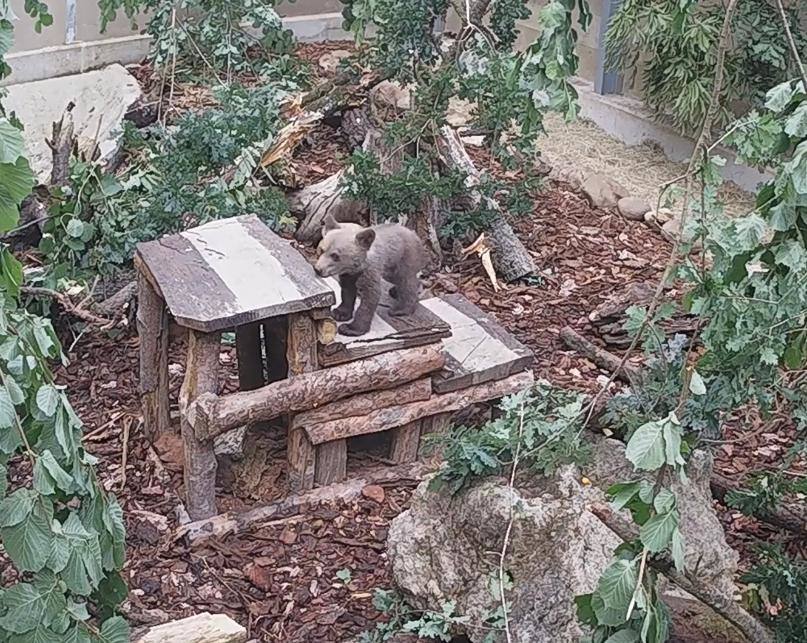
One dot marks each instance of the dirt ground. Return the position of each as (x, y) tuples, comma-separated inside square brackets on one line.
[(280, 579)]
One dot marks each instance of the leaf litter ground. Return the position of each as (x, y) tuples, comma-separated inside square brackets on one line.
[(286, 580)]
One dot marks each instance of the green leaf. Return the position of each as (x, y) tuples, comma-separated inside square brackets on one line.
[(8, 416), (623, 636), (17, 507), (664, 501), (24, 608), (778, 98), (344, 575), (28, 543), (47, 399), (696, 384), (622, 493), (796, 125), (114, 630), (672, 441), (59, 553), (16, 181), (14, 391), (645, 449), (12, 145), (657, 532), (50, 475), (75, 228), (614, 592), (78, 634), (678, 549)]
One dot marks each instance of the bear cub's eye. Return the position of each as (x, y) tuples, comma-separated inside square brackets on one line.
[(335, 256)]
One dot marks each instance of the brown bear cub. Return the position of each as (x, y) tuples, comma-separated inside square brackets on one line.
[(361, 257)]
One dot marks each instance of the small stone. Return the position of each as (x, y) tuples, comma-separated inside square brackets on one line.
[(259, 576), (671, 230), (633, 208), (459, 112), (391, 94), (170, 448), (329, 61), (374, 493), (288, 536), (602, 191)]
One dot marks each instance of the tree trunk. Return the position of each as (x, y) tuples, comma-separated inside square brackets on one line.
[(510, 258)]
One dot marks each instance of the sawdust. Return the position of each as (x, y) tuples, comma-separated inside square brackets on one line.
[(642, 169)]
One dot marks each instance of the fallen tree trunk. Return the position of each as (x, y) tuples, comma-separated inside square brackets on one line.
[(510, 257), (211, 415), (724, 605), (365, 403), (235, 523), (601, 357), (400, 415), (782, 517)]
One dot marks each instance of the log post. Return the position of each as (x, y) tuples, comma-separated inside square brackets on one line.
[(201, 376), (152, 328), (301, 354), (274, 338), (331, 462), (434, 426), (405, 443)]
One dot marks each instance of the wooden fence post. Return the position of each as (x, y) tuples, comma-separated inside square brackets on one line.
[(152, 329)]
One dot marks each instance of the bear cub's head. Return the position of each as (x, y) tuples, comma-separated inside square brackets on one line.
[(343, 249)]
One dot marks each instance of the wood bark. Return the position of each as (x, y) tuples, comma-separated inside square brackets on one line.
[(396, 416), (364, 403), (405, 442), (301, 355), (792, 517), (295, 504), (331, 462), (201, 376), (62, 142), (200, 628), (152, 328), (431, 428), (724, 605), (212, 415), (510, 258), (599, 356)]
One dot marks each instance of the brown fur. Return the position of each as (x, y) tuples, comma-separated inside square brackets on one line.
[(361, 257)]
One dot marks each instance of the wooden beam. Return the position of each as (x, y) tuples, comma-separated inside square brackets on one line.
[(364, 403), (201, 376), (152, 328), (301, 355), (396, 416), (212, 415), (331, 462)]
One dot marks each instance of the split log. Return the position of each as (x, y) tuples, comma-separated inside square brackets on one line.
[(295, 504), (313, 203), (201, 377), (152, 329), (405, 442), (212, 415), (726, 606), (365, 403), (397, 416), (601, 357), (793, 518), (116, 305), (61, 144), (301, 355), (331, 463), (200, 628), (510, 257)]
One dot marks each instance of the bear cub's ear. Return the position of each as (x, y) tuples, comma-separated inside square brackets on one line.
[(365, 238), (330, 223)]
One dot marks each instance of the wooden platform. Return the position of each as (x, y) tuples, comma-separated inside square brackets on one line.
[(478, 350), (387, 333), (230, 272)]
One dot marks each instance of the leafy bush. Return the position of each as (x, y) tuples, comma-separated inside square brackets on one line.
[(541, 424), (676, 43), (173, 181), (218, 36)]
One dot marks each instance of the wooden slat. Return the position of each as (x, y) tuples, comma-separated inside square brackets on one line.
[(301, 355), (479, 350), (405, 442), (152, 329), (231, 272), (395, 416), (387, 333)]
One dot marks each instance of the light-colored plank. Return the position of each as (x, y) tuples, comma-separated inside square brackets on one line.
[(201, 628)]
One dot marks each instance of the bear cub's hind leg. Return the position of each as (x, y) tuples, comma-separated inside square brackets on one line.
[(405, 292)]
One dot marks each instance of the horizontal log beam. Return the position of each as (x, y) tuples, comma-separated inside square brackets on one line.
[(211, 415), (365, 403), (395, 416)]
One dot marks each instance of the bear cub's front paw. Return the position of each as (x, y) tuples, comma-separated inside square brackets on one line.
[(341, 314), (352, 329)]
